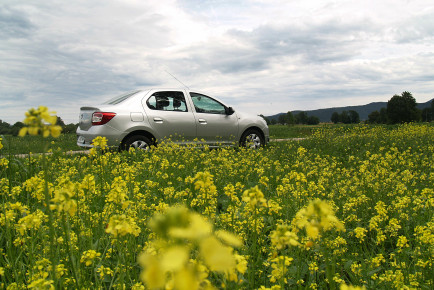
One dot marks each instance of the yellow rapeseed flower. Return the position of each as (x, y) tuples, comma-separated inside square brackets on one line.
[(98, 143), (283, 237), (41, 284), (229, 238), (120, 225), (185, 279), (217, 256), (88, 257), (317, 217), (153, 274), (31, 221), (40, 121), (351, 287), (360, 233), (402, 243), (168, 261), (63, 200), (174, 258), (254, 198)]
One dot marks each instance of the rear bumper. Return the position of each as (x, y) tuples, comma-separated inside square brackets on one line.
[(85, 138)]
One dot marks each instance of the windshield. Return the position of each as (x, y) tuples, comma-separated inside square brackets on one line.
[(120, 99)]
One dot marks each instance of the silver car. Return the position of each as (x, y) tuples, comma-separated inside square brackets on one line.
[(142, 118)]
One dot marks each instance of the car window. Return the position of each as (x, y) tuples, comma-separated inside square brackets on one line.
[(205, 104), (121, 98), (167, 101)]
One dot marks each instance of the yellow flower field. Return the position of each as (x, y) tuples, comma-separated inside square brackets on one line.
[(345, 208)]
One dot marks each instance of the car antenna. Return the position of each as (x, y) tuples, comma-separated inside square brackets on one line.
[(177, 79)]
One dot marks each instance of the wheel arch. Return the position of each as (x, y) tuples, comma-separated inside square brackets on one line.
[(252, 128), (140, 132)]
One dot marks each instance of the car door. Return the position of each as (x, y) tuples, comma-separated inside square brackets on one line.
[(214, 124), (170, 116)]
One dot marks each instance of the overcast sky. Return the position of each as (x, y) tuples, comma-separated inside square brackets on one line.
[(261, 56)]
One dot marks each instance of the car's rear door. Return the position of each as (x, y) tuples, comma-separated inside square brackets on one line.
[(170, 116)]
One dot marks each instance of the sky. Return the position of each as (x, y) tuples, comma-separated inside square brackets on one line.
[(259, 56)]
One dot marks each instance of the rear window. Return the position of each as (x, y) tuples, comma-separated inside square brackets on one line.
[(121, 98)]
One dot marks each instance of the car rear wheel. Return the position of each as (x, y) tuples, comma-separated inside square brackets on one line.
[(137, 142), (253, 139)]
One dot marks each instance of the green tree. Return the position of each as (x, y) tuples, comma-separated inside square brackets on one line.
[(70, 128), (281, 119), (290, 118), (345, 117), (383, 116), (402, 109), (313, 120), (426, 115), (335, 117), (301, 118), (5, 128), (16, 128), (374, 117), (60, 122), (354, 117)]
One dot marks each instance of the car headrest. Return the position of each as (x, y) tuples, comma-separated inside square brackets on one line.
[(176, 103), (162, 102)]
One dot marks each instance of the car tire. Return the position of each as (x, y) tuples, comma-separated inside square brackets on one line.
[(137, 142), (252, 139)]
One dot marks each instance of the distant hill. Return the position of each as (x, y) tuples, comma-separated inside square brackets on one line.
[(324, 115)]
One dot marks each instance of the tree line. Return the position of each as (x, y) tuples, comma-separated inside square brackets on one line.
[(291, 119), (400, 109)]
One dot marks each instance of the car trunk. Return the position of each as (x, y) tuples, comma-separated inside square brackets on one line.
[(85, 121)]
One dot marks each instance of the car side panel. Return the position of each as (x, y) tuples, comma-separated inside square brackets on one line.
[(217, 128)]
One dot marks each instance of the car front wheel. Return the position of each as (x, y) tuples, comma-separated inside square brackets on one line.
[(252, 139), (137, 142)]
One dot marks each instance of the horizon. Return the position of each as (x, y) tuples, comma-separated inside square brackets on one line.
[(267, 116)]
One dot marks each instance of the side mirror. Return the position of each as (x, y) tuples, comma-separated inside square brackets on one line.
[(229, 111)]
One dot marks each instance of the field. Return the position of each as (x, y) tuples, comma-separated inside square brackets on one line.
[(347, 207), (38, 144)]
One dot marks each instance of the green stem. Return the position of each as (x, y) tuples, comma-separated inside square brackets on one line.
[(253, 253), (50, 220), (68, 248), (330, 271)]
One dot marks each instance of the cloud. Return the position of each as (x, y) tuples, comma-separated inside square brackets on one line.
[(13, 23), (281, 54), (417, 29)]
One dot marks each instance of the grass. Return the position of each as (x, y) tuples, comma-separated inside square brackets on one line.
[(296, 131), (38, 144), (349, 205)]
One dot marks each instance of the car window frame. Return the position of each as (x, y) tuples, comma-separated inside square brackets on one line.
[(148, 105), (121, 98), (213, 113)]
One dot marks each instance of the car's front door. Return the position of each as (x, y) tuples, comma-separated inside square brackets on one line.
[(214, 125), (170, 116)]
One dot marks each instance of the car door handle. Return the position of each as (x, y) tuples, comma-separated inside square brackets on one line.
[(202, 121), (158, 120)]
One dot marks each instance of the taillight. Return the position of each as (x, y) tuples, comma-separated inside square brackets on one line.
[(100, 118)]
